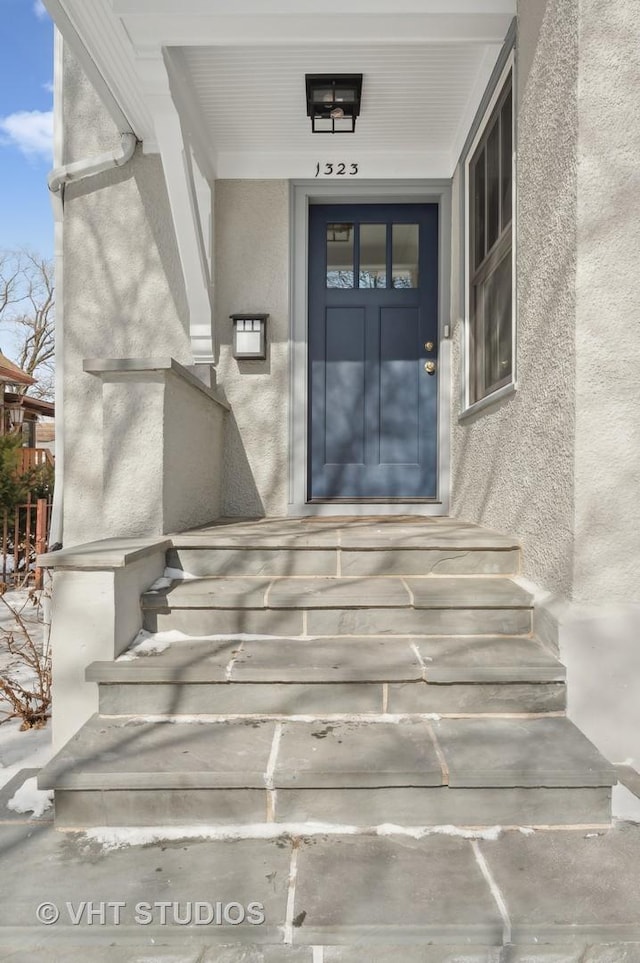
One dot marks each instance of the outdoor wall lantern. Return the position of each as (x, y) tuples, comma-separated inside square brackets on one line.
[(249, 336), (333, 102), (16, 415)]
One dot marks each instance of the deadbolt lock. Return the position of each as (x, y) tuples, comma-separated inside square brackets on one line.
[(429, 345), (430, 367)]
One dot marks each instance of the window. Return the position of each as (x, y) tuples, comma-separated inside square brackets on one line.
[(377, 260), (489, 178)]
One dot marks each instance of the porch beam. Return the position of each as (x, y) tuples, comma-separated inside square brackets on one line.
[(175, 153), (100, 43), (240, 8), (185, 29)]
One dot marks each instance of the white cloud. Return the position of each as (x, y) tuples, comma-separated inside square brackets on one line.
[(48, 86), (31, 131), (40, 10)]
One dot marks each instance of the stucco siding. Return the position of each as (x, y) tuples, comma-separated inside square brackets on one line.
[(607, 465), (193, 451), (124, 293), (513, 463), (252, 274)]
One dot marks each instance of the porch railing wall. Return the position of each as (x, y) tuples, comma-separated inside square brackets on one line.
[(24, 535), (33, 458)]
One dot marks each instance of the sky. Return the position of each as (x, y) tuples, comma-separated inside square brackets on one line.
[(26, 125)]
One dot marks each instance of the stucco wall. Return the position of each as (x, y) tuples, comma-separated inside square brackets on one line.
[(607, 464), (252, 274), (162, 450), (193, 450), (512, 464), (124, 294)]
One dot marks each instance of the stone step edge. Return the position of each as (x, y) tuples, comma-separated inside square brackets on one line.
[(327, 781), (294, 831), (163, 604), (66, 770), (158, 599), (373, 718), (244, 543), (114, 673), (55, 776)]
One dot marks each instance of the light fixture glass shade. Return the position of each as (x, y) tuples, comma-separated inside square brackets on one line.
[(333, 102), (250, 336), (16, 415)]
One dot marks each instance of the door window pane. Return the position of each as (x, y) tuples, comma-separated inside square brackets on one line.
[(493, 185), (507, 151), (405, 255), (373, 255), (340, 271)]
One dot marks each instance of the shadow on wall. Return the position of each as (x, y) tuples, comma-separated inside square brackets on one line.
[(241, 495), (114, 240), (608, 387), (124, 297), (514, 463)]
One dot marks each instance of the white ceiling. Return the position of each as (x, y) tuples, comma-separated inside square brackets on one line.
[(417, 98), (414, 97)]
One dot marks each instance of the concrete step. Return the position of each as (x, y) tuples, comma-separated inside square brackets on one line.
[(339, 675), (347, 534), (297, 560), (325, 606), (567, 896), (359, 772)]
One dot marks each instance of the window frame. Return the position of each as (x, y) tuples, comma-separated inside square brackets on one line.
[(472, 356)]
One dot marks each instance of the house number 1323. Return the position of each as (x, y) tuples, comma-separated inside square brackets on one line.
[(336, 170)]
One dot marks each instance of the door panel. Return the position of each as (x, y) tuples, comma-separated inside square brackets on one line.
[(345, 388), (373, 408), (399, 386)]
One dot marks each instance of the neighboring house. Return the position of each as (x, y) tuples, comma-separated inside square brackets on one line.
[(451, 293), (32, 410), (12, 409), (46, 434), (19, 410)]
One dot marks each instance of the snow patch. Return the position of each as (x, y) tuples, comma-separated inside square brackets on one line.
[(320, 719), (177, 575), (419, 832), (120, 837), (29, 799), (170, 575), (28, 748), (145, 644), (159, 584)]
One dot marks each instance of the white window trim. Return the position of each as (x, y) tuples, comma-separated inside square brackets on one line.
[(470, 407)]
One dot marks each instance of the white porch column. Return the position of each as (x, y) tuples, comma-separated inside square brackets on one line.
[(177, 162)]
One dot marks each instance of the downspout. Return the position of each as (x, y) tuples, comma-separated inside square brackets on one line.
[(57, 179), (79, 170)]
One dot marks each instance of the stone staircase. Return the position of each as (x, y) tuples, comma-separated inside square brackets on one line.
[(342, 673)]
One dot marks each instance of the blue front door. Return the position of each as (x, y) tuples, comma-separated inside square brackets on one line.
[(373, 325)]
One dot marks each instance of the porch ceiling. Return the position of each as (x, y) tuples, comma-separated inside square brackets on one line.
[(237, 70), (417, 98)]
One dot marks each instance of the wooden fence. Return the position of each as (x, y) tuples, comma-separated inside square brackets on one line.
[(33, 458), (25, 532)]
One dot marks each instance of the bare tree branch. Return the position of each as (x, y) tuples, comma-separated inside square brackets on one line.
[(27, 316)]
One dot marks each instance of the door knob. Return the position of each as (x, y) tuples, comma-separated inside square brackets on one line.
[(430, 367), (429, 345)]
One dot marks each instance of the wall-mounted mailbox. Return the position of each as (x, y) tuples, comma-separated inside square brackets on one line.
[(249, 336)]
